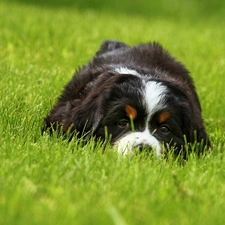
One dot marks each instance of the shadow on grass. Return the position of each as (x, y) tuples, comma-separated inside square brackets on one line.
[(189, 9)]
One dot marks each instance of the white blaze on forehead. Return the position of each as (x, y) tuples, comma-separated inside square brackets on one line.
[(125, 70), (153, 96)]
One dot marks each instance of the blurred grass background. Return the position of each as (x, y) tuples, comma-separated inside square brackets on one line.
[(188, 9)]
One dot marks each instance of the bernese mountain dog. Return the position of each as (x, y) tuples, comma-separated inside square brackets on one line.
[(138, 97)]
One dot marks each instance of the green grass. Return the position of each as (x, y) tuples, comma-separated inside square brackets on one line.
[(46, 180)]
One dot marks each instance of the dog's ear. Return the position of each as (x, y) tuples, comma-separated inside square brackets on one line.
[(110, 45), (83, 120), (87, 121)]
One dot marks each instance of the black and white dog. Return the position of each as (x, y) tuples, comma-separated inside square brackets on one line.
[(141, 95)]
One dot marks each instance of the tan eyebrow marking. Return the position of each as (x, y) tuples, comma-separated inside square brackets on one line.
[(163, 117), (131, 112)]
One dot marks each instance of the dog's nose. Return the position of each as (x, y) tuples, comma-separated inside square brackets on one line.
[(140, 147), (144, 146)]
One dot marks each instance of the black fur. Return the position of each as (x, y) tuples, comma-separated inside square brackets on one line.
[(96, 96)]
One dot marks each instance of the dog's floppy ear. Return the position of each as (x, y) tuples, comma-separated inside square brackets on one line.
[(110, 45), (87, 120), (87, 116)]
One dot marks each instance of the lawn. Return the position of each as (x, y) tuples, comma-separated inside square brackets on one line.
[(46, 180)]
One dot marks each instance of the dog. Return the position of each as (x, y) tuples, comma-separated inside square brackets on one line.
[(141, 97)]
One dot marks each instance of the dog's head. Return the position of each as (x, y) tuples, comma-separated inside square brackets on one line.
[(139, 111)]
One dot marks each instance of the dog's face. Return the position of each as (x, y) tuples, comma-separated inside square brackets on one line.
[(137, 111), (136, 97)]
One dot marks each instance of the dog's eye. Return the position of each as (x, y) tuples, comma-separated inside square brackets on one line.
[(164, 129), (123, 123)]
